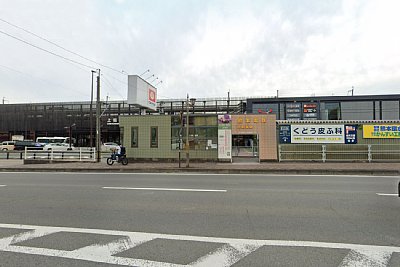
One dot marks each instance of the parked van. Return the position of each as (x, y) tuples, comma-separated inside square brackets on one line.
[(20, 145), (7, 145)]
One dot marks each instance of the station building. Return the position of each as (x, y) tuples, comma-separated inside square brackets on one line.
[(328, 128), (364, 128)]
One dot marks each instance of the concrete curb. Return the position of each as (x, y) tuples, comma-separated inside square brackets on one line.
[(375, 172)]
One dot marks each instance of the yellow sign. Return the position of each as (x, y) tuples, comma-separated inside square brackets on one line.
[(381, 131), (249, 120)]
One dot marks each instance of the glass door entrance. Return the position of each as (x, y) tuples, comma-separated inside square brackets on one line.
[(245, 145)]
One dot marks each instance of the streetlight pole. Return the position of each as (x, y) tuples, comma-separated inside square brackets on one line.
[(192, 102), (98, 129), (187, 131), (70, 135)]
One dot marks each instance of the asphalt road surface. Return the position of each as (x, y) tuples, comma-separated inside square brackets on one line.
[(96, 219)]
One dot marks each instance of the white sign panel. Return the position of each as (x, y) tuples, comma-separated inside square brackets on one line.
[(141, 93), (224, 143), (305, 134)]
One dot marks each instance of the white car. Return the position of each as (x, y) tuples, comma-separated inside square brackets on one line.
[(7, 145), (109, 147), (58, 147)]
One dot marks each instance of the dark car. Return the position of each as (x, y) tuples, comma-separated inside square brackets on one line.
[(20, 145)]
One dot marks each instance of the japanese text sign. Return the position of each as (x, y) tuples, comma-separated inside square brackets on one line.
[(381, 131), (317, 134)]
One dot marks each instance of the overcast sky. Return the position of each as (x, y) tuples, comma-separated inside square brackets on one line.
[(201, 47)]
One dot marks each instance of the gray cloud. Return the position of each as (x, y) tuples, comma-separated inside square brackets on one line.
[(204, 48)]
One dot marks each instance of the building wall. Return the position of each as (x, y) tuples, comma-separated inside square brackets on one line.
[(164, 149), (264, 125), (382, 148)]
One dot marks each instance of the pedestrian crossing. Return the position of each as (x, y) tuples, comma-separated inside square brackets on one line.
[(126, 248)]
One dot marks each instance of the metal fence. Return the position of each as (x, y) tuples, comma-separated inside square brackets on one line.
[(338, 152), (81, 154)]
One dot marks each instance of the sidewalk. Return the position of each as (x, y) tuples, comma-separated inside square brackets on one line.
[(356, 168)]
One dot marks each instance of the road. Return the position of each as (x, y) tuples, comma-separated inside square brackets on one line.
[(97, 219)]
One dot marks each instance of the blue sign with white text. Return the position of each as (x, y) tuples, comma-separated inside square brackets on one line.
[(350, 134), (284, 134)]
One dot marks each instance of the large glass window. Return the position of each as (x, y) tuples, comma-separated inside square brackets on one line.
[(333, 111), (265, 108), (357, 110), (390, 110), (154, 136), (203, 132), (134, 136)]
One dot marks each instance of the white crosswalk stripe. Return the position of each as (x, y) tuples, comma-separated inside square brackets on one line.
[(230, 252)]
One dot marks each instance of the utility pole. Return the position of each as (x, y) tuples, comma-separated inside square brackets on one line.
[(98, 129), (229, 100), (91, 114)]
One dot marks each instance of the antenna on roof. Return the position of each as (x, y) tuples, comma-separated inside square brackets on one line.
[(351, 91)]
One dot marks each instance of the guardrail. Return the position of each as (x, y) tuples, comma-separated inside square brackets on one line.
[(337, 152), (81, 154)]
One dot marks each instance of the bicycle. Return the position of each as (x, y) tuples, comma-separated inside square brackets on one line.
[(119, 159)]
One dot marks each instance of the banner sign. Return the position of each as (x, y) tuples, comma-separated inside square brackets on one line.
[(381, 131), (350, 134), (293, 111), (224, 136), (141, 93), (284, 134), (305, 134), (310, 111)]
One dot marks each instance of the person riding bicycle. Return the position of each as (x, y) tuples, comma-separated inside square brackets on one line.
[(120, 152)]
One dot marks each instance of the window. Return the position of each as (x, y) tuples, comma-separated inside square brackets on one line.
[(134, 137), (203, 132), (358, 110), (390, 110), (154, 136), (332, 110), (121, 135), (265, 108)]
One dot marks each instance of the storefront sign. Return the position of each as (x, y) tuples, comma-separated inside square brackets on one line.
[(224, 136), (317, 134), (310, 111), (350, 134), (284, 134), (293, 111), (381, 131), (248, 123)]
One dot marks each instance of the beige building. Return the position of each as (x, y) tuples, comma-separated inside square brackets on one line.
[(258, 129), (162, 137)]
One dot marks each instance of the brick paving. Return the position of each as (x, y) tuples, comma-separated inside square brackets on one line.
[(385, 168)]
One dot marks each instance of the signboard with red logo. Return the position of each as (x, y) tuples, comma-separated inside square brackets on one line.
[(141, 93), (152, 96), (310, 111)]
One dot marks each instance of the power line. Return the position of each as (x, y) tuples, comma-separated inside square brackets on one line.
[(65, 49), (43, 80), (47, 51), (109, 84)]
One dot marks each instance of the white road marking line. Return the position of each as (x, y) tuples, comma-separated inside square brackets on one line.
[(165, 189), (2, 185), (232, 251), (385, 194), (366, 258)]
